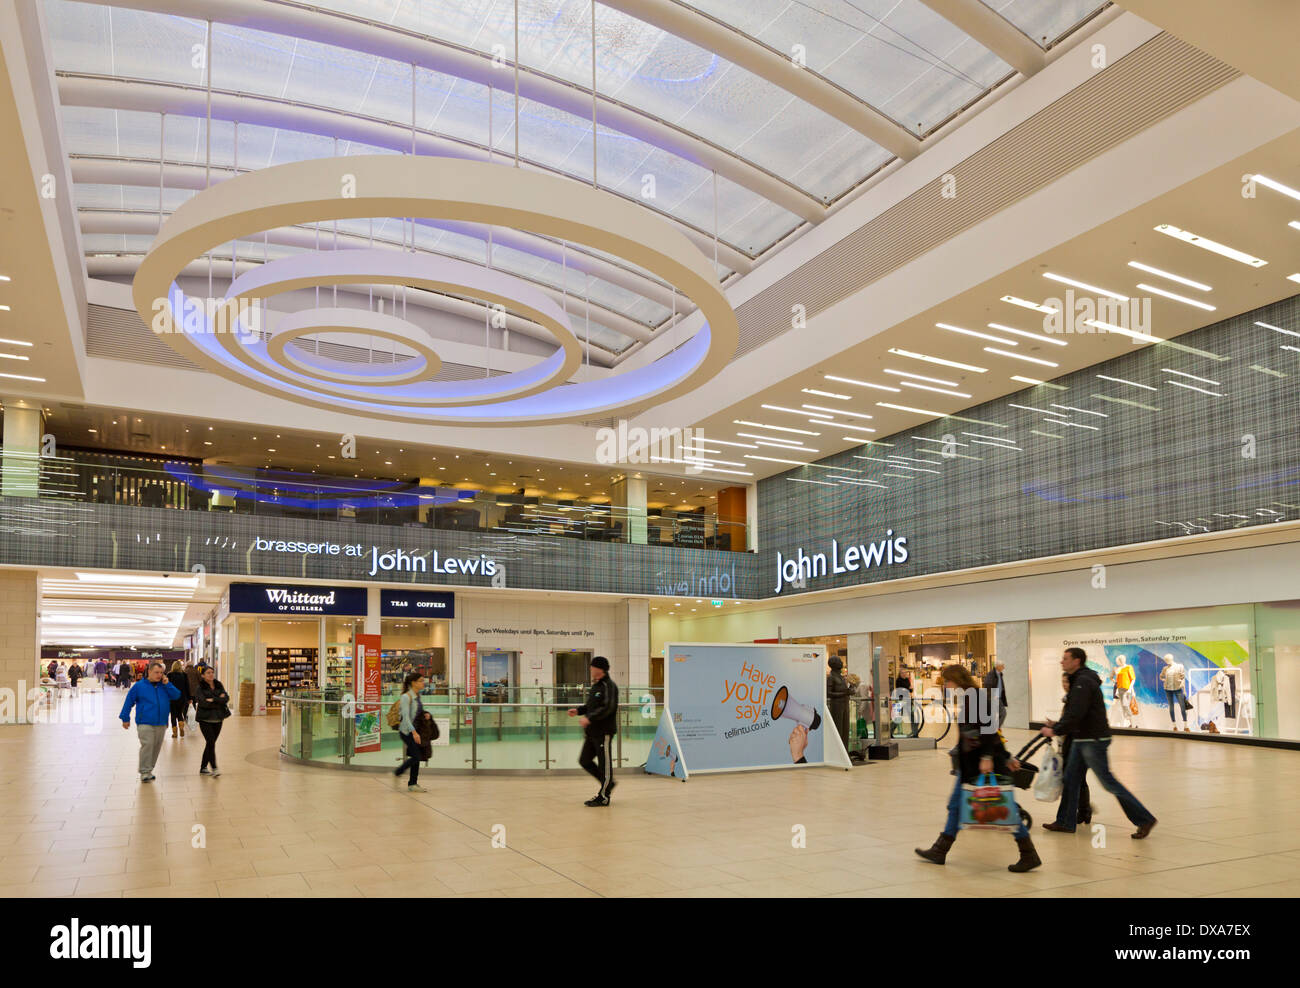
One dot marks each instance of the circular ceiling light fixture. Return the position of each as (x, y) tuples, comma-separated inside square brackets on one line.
[(428, 188)]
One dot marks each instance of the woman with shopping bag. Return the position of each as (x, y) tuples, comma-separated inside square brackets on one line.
[(979, 800)]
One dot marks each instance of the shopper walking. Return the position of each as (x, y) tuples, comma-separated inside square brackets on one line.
[(211, 707), (194, 676), (124, 674), (151, 697), (600, 723), (980, 750), (996, 679), (1084, 815), (1084, 722), (176, 676), (75, 672), (101, 670), (1172, 677), (411, 707), (837, 699)]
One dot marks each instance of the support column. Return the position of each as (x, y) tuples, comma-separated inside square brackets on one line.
[(20, 467), (20, 647), (629, 496), (733, 503), (631, 658), (1011, 645)]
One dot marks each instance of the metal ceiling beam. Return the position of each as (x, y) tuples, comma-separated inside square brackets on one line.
[(993, 31), (143, 173), (146, 223), (300, 20), (779, 69), (191, 101)]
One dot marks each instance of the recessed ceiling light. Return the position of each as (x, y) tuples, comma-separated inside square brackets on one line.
[(978, 335), (1021, 356), (23, 377), (1026, 334), (921, 377), (1177, 298), (1294, 277), (824, 394), (937, 360), (1122, 331), (839, 411), (1084, 285), (1205, 243), (782, 408), (1120, 380), (861, 384), (1203, 380), (1172, 277), (908, 408), (931, 387), (1190, 387), (15, 342), (1026, 304), (1278, 329), (775, 428), (1286, 190)]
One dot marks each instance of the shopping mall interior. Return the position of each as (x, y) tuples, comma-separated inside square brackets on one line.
[(1009, 290)]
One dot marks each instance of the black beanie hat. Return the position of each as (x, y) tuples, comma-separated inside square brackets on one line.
[(835, 662), (600, 662)]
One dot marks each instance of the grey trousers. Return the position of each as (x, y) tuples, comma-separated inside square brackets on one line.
[(151, 742)]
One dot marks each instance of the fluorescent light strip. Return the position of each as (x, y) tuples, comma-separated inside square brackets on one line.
[(792, 411), (1126, 401), (980, 435), (1020, 356), (16, 342), (840, 411), (1286, 190), (908, 408), (1278, 329), (802, 480), (849, 425), (931, 387), (1190, 387), (740, 473), (1295, 348), (1131, 333), (1294, 277), (1034, 380), (12, 356), (1203, 380), (1172, 277), (1176, 297), (725, 463), (1266, 370), (927, 439), (987, 442), (860, 384), (971, 332), (771, 439), (724, 442), (1026, 334), (1294, 224), (860, 440), (938, 360), (824, 394), (778, 428), (859, 483), (1084, 285), (1049, 435), (772, 459), (900, 476), (914, 459), (1026, 304), (799, 447), (1031, 408), (1080, 425), (1071, 408), (1205, 243), (23, 377), (1120, 380), (921, 377), (904, 466)]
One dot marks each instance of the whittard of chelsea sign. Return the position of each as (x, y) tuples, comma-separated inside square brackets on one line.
[(800, 568)]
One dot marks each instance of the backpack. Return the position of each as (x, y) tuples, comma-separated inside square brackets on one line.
[(394, 716)]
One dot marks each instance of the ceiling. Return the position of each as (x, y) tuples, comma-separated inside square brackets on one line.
[(91, 609)]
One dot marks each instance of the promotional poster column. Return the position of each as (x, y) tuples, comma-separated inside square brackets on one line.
[(367, 682)]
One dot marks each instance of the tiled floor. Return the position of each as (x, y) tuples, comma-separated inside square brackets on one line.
[(74, 820)]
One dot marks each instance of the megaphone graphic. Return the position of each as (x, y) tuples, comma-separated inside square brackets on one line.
[(783, 705)]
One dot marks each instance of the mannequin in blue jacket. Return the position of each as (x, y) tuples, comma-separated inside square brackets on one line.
[(152, 699)]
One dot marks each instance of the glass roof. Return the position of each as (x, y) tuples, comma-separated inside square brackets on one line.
[(897, 56)]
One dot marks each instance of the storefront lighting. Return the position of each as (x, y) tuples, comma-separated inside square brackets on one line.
[(1205, 243)]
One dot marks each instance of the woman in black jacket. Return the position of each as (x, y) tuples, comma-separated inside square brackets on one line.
[(979, 751), (176, 676), (212, 707)]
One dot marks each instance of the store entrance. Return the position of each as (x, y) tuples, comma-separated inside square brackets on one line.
[(291, 656), (498, 675), (572, 673)]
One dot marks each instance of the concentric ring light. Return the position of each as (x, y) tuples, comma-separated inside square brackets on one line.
[(424, 187)]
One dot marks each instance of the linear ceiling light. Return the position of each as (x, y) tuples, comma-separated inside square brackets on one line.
[(1203, 380), (931, 387), (23, 377), (850, 425), (1294, 277), (15, 342), (1120, 380), (1172, 277), (1021, 356), (1026, 304), (908, 408), (1205, 243), (1177, 298), (1192, 387), (970, 332), (1034, 380), (922, 377), (861, 384), (824, 394), (1026, 334), (13, 356), (1278, 329), (1122, 331), (1286, 190), (1084, 285), (840, 411), (773, 459), (927, 439), (777, 428), (792, 411), (1084, 411), (775, 439), (937, 360)]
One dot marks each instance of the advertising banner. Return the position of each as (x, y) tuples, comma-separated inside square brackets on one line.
[(368, 693), (749, 706), (665, 757), (471, 670)]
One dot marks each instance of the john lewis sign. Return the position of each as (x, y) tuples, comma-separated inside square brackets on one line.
[(801, 568)]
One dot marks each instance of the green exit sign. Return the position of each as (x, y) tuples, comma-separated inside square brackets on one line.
[(716, 603)]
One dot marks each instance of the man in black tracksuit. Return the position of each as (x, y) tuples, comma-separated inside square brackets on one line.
[(600, 721)]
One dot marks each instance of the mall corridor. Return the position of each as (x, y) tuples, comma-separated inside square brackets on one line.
[(76, 821)]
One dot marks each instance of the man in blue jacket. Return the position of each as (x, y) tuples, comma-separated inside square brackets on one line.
[(152, 698)]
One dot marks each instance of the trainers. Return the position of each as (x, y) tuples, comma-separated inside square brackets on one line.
[(416, 789), (597, 801), (147, 778), (204, 771), (1057, 828), (610, 791), (215, 771)]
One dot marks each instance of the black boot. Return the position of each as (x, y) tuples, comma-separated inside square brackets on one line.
[(1029, 858), (939, 852)]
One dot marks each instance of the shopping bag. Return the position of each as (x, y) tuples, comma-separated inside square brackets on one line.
[(987, 804), (191, 719), (1050, 779), (1133, 706)]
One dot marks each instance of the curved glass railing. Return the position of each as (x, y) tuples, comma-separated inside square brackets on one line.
[(476, 736)]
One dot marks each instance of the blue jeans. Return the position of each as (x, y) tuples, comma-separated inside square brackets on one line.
[(1085, 755), (1175, 698), (954, 814)]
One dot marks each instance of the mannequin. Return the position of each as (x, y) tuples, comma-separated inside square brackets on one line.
[(1172, 677), (1125, 678)]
